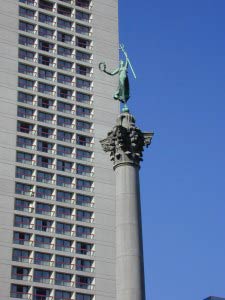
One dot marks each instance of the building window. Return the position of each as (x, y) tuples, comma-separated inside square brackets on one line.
[(83, 84), (62, 295), (44, 259), (84, 232), (43, 225), (21, 255), (63, 279), (63, 245), (43, 242), (64, 262), (42, 276), (21, 238), (25, 98), (84, 282), (82, 16), (64, 38), (84, 185), (26, 83), (46, 19), (84, 216), (83, 56), (20, 273), (26, 41), (24, 26), (19, 291), (63, 228), (64, 212), (65, 51), (64, 151), (65, 197), (44, 209), (64, 24), (26, 13), (41, 294), (84, 248), (81, 29), (44, 193), (26, 55), (84, 200)]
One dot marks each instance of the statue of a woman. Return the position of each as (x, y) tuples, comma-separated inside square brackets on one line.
[(123, 92)]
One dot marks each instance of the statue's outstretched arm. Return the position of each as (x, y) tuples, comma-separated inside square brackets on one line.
[(113, 72)]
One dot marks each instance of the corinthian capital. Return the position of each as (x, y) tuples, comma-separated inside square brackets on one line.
[(125, 142)]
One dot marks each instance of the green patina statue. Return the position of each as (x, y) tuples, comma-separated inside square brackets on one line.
[(123, 92)]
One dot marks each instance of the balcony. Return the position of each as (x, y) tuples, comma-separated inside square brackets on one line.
[(23, 277), (28, 2), (84, 4), (21, 295)]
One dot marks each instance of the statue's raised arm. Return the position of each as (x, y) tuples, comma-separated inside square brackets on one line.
[(123, 92)]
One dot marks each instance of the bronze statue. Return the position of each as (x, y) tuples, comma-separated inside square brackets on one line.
[(123, 92)]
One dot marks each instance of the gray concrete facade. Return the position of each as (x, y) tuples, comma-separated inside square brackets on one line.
[(40, 179)]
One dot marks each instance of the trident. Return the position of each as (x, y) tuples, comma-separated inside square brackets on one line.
[(125, 53)]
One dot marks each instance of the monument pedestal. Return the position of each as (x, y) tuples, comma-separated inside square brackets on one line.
[(125, 143)]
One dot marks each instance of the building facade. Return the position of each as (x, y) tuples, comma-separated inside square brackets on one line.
[(57, 187)]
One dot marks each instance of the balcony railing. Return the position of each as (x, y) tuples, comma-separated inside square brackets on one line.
[(84, 285), (24, 242), (21, 295), (19, 276), (85, 235)]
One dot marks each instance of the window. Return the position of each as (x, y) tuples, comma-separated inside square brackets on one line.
[(24, 26), (26, 41), (25, 98), (65, 65), (46, 5), (24, 173), (65, 51), (84, 170), (21, 238), (28, 2), (26, 55), (44, 193), (20, 273), (63, 279), (25, 112), (43, 225), (44, 209), (45, 117), (62, 295), (83, 84), (46, 103), (83, 70), (82, 16), (44, 177), (19, 291), (25, 127), (64, 136), (41, 294), (83, 140), (45, 147), (64, 212), (46, 60), (24, 189), (81, 29), (65, 79), (46, 74), (45, 162), (64, 151), (84, 282), (84, 200), (26, 13), (83, 126), (64, 24), (63, 245), (42, 276), (80, 296), (45, 132), (42, 258), (65, 107), (65, 11), (84, 216), (83, 43), (43, 241), (84, 265), (21, 255), (83, 4), (83, 111), (26, 69), (23, 205), (64, 38), (65, 93), (62, 196), (84, 155), (24, 142), (64, 166), (84, 248), (64, 181), (45, 32), (24, 158), (22, 222), (46, 46), (46, 19), (45, 88), (83, 56), (84, 232), (26, 83), (63, 262), (81, 97)]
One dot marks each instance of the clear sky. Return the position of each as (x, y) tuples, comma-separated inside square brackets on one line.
[(178, 51)]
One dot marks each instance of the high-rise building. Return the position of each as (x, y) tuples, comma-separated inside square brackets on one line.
[(57, 187)]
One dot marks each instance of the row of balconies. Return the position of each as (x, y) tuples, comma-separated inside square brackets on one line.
[(51, 243), (24, 292), (57, 7), (54, 211), (65, 107), (50, 226), (53, 76), (50, 133)]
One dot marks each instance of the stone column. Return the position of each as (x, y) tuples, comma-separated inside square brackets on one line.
[(125, 143)]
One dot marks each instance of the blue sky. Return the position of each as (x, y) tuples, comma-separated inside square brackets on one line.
[(178, 50)]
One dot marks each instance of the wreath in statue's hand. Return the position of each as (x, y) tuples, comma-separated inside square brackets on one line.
[(102, 66)]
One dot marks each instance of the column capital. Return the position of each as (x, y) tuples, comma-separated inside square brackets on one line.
[(125, 142)]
